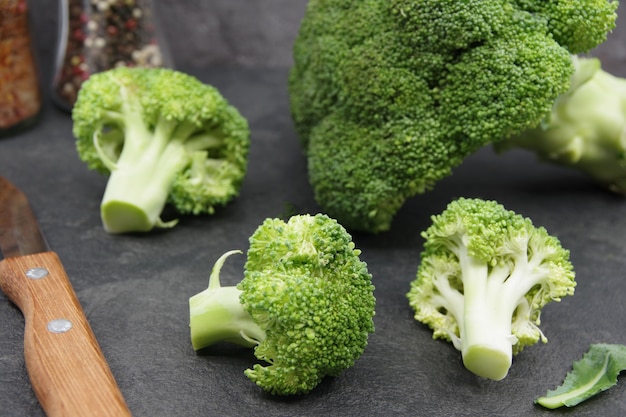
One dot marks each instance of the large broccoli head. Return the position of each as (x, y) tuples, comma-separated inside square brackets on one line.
[(163, 136), (389, 96)]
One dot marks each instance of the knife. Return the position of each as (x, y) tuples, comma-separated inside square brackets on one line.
[(67, 369)]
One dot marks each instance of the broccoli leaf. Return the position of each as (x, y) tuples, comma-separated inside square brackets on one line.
[(597, 371)]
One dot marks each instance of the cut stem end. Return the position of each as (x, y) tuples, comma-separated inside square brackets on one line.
[(488, 361)]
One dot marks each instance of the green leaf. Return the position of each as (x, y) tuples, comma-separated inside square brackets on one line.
[(597, 371)]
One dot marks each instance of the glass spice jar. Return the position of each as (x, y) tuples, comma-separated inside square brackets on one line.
[(97, 35), (20, 96)]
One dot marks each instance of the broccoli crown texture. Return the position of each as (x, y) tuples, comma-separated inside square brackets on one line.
[(388, 96), (309, 301), (484, 276), (305, 285), (586, 129), (163, 136)]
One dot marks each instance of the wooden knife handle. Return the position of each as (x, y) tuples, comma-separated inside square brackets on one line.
[(67, 369)]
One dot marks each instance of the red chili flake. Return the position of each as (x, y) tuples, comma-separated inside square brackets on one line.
[(112, 30)]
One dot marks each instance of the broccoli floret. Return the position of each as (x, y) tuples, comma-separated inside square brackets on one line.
[(484, 276), (586, 129), (306, 304), (164, 137), (388, 96)]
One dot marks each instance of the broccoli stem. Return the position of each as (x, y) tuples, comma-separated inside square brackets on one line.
[(142, 177), (492, 295), (486, 331), (586, 129), (216, 315)]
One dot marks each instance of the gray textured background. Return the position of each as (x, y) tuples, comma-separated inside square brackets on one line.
[(255, 33)]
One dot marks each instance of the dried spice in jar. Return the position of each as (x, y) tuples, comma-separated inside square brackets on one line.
[(97, 35), (20, 98)]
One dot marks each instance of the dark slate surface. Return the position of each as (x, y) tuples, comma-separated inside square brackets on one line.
[(134, 289)]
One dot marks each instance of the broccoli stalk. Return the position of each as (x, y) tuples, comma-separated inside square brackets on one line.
[(305, 304), (149, 157), (164, 137), (484, 277), (586, 129), (492, 297), (216, 315)]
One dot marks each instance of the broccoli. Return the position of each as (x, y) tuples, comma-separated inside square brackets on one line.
[(306, 304), (388, 96), (164, 137), (586, 129), (484, 276)]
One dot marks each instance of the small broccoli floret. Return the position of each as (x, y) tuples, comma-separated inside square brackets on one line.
[(578, 25), (586, 129), (484, 276), (305, 304), (164, 137), (391, 95)]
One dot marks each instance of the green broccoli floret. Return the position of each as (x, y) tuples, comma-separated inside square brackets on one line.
[(164, 137), (586, 129), (484, 276), (388, 96), (305, 304)]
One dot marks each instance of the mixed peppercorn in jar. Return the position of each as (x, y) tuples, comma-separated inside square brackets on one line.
[(97, 35)]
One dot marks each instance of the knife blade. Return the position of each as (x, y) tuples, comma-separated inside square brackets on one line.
[(67, 368)]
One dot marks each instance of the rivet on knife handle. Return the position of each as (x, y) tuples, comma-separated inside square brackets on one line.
[(69, 373)]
